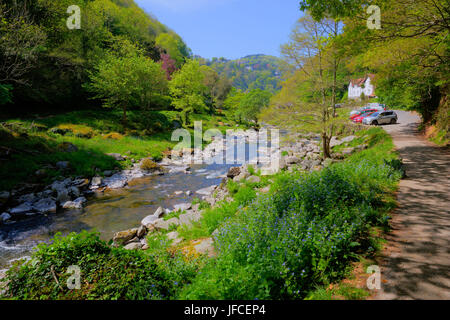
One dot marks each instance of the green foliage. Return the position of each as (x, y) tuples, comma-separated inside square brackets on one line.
[(53, 63), (187, 90), (333, 8), (106, 273), (5, 94), (218, 88), (125, 78), (174, 46), (252, 104)]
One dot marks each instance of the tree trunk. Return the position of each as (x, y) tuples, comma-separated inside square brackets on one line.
[(335, 63), (326, 146)]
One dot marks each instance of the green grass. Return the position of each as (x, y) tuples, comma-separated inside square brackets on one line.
[(441, 138), (344, 292)]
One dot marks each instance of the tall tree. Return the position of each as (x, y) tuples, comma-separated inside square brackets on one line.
[(252, 104), (187, 89), (126, 78), (309, 96)]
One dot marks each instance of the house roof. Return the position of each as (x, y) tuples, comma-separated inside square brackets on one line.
[(359, 82)]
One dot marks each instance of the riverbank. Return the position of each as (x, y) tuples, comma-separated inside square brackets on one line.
[(54, 163), (232, 228)]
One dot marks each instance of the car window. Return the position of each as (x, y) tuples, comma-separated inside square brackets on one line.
[(375, 114), (389, 113)]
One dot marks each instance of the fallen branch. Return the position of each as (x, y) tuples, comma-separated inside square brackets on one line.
[(54, 277)]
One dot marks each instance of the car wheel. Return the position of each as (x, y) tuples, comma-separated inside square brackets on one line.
[(375, 123), (393, 121)]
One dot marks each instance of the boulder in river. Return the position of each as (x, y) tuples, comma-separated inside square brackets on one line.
[(76, 204), (96, 181), (62, 196), (46, 205), (116, 181), (24, 208)]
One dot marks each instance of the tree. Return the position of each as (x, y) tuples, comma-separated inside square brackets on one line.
[(218, 87), (168, 65), (187, 89), (320, 9), (252, 103), (21, 42), (232, 103), (307, 100), (125, 78)]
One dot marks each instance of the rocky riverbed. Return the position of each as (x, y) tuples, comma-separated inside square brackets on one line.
[(304, 154)]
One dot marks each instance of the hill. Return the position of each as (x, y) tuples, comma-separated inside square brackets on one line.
[(46, 63), (250, 72)]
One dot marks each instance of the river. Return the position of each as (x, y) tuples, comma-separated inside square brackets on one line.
[(116, 210)]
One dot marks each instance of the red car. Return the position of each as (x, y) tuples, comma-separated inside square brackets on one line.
[(360, 118), (363, 113)]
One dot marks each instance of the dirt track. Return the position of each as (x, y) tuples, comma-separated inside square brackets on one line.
[(417, 258)]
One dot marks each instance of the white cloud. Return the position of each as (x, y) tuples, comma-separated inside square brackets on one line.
[(182, 5)]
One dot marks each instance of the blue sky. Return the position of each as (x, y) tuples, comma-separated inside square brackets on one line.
[(228, 28)]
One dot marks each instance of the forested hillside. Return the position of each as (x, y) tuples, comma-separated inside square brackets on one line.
[(251, 72), (45, 65)]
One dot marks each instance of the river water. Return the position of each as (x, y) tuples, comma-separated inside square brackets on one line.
[(116, 210)]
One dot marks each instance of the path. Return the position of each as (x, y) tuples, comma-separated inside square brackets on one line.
[(417, 258)]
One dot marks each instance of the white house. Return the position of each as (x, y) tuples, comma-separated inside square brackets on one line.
[(362, 85)]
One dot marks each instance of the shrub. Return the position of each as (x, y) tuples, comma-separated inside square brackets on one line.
[(106, 273)]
